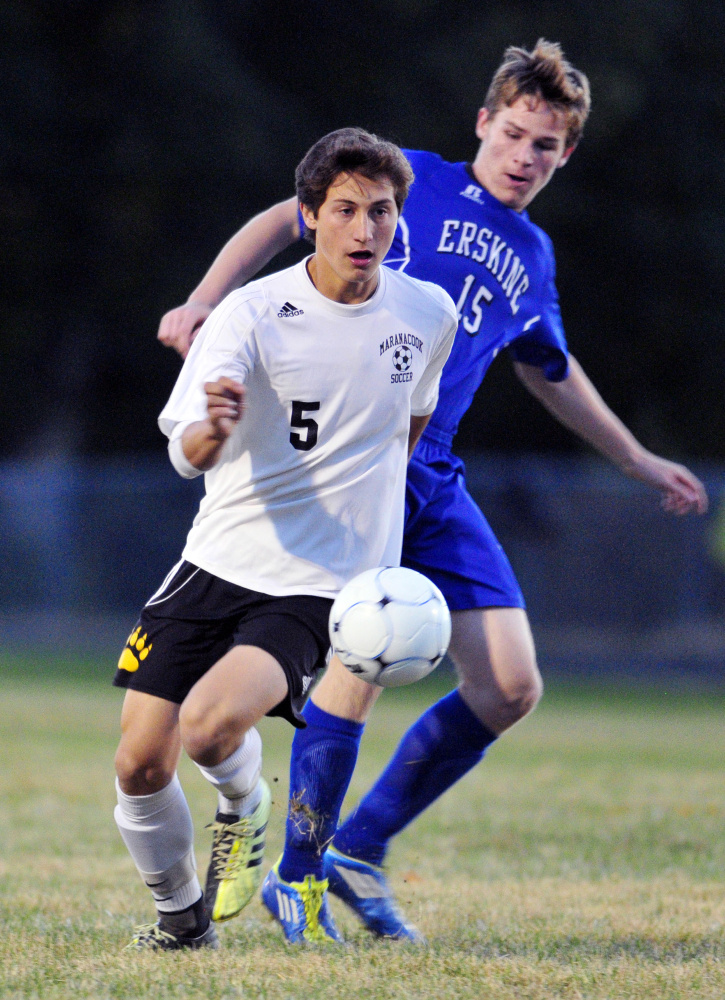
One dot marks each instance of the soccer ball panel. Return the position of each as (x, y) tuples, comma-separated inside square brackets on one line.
[(406, 586), (404, 672), (364, 627), (366, 670), (415, 630), (390, 626)]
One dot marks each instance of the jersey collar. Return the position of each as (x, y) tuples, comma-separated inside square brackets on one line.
[(341, 308)]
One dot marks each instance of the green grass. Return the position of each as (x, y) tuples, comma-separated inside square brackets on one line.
[(584, 859)]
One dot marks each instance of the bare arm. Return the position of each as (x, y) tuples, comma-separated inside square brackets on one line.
[(417, 426), (202, 442), (256, 243), (577, 405)]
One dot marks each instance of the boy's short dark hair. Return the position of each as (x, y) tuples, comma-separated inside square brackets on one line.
[(347, 151)]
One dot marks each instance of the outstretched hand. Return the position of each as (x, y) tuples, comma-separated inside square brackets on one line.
[(179, 326), (225, 405), (682, 492)]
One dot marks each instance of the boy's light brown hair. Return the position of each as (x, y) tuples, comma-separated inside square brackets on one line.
[(542, 73)]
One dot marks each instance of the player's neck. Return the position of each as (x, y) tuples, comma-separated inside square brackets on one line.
[(477, 173), (332, 286)]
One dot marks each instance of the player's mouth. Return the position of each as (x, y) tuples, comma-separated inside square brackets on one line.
[(361, 258), (517, 180)]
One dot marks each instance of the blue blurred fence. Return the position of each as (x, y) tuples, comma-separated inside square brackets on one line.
[(611, 581)]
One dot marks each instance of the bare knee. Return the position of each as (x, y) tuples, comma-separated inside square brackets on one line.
[(141, 772), (149, 749), (494, 653), (501, 706), (208, 733), (521, 694)]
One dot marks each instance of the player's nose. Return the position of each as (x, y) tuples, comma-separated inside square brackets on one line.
[(525, 153), (363, 228)]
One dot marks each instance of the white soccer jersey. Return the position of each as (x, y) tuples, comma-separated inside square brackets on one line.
[(309, 489)]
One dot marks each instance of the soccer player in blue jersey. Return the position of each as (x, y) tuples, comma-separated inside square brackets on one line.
[(465, 227)]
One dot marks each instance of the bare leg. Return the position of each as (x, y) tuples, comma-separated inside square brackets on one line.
[(149, 749), (152, 814), (343, 694), (227, 701), (493, 651), (217, 729)]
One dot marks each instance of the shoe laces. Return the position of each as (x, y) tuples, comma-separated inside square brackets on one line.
[(225, 860), (313, 896), (151, 936)]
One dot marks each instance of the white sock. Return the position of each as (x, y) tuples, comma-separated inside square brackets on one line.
[(159, 834), (236, 779)]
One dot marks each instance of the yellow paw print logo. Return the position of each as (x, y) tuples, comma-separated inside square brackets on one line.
[(135, 652)]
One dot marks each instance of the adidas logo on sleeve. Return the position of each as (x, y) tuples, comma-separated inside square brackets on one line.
[(288, 311)]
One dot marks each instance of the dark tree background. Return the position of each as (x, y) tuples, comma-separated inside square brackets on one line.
[(137, 136)]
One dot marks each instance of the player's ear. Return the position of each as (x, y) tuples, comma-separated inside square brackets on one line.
[(309, 217), (565, 158), (482, 120)]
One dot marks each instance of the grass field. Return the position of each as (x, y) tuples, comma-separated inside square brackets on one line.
[(584, 859)]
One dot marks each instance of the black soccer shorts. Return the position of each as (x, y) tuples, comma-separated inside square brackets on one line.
[(195, 618)]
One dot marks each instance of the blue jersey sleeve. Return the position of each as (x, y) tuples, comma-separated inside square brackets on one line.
[(301, 222), (422, 163), (543, 341)]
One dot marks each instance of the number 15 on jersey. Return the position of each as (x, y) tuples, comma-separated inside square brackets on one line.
[(481, 294)]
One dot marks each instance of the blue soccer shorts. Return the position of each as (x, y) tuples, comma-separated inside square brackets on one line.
[(448, 539)]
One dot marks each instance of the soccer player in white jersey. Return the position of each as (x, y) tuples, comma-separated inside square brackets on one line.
[(297, 415), (465, 226)]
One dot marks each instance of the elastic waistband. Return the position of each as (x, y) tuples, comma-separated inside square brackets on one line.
[(437, 435)]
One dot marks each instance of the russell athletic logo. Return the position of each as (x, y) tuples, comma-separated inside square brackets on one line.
[(288, 311), (473, 191)]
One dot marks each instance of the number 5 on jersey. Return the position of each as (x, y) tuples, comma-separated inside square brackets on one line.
[(303, 442)]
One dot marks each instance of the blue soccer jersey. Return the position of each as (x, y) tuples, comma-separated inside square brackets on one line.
[(497, 266)]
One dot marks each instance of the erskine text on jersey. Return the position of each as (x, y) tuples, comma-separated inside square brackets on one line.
[(491, 250)]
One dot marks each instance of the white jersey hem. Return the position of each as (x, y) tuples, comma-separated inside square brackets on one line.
[(260, 585)]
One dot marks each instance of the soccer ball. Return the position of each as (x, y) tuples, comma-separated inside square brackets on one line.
[(402, 358), (390, 626)]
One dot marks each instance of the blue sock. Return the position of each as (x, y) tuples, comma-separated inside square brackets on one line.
[(321, 765), (445, 743)]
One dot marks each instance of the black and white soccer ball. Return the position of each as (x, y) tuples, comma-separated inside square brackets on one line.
[(402, 358), (390, 626)]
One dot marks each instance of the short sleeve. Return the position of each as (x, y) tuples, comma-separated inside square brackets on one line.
[(225, 346), (542, 341), (425, 395), (421, 162)]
